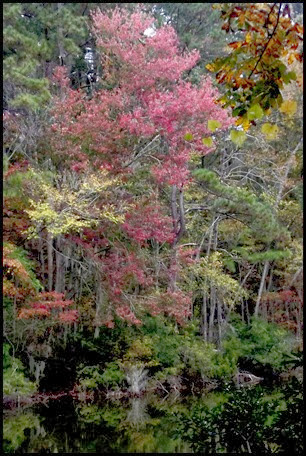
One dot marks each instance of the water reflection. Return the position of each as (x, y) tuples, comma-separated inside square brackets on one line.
[(138, 415), (223, 421)]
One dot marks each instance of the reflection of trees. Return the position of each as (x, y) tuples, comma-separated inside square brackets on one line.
[(17, 429), (137, 378), (138, 414)]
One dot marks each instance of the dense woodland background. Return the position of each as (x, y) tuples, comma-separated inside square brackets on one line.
[(150, 231)]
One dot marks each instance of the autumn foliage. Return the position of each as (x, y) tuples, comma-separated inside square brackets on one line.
[(269, 41), (51, 305), (144, 98)]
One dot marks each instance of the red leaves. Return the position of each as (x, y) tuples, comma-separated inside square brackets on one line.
[(176, 304), (147, 222), (149, 98), (141, 62), (21, 166), (26, 314), (126, 314), (143, 95), (51, 304), (60, 77), (69, 316), (123, 270), (284, 307)]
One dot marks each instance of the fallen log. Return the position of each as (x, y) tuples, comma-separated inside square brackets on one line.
[(246, 378)]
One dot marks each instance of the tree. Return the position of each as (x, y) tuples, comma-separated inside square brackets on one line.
[(258, 64), (144, 113), (197, 25)]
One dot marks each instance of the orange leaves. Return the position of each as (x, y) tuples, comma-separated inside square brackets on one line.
[(255, 62), (235, 44), (18, 280)]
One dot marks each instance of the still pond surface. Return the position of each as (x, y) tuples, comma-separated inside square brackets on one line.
[(258, 419)]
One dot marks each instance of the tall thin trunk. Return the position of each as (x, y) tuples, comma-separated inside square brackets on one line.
[(50, 260), (261, 286), (212, 314), (219, 310), (204, 316), (157, 266), (41, 256), (247, 312), (209, 241), (299, 320), (99, 298), (15, 312), (242, 309), (174, 208), (278, 200), (59, 277), (285, 176), (287, 312), (270, 280), (60, 37)]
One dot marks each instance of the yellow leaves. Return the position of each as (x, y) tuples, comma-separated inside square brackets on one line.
[(97, 182), (270, 131), (243, 122), (299, 80), (300, 28), (209, 270), (248, 37), (109, 213), (291, 58), (41, 212), (210, 67), (66, 208), (8, 288), (288, 107), (238, 137)]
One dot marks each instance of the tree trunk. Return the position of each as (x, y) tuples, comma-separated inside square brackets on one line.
[(99, 299), (204, 316), (261, 286), (219, 310), (50, 260), (60, 274), (212, 314), (41, 258)]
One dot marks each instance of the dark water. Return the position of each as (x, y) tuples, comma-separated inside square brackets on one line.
[(259, 420)]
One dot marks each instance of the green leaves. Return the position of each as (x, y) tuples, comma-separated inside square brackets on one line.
[(188, 137), (238, 137), (208, 141), (213, 125), (255, 112)]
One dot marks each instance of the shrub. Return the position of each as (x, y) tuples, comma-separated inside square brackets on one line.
[(14, 380)]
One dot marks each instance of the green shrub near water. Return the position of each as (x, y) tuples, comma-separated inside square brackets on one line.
[(261, 342), (14, 380), (250, 420), (13, 430), (167, 351), (94, 377)]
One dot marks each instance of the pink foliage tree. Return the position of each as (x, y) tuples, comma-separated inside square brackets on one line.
[(143, 98)]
